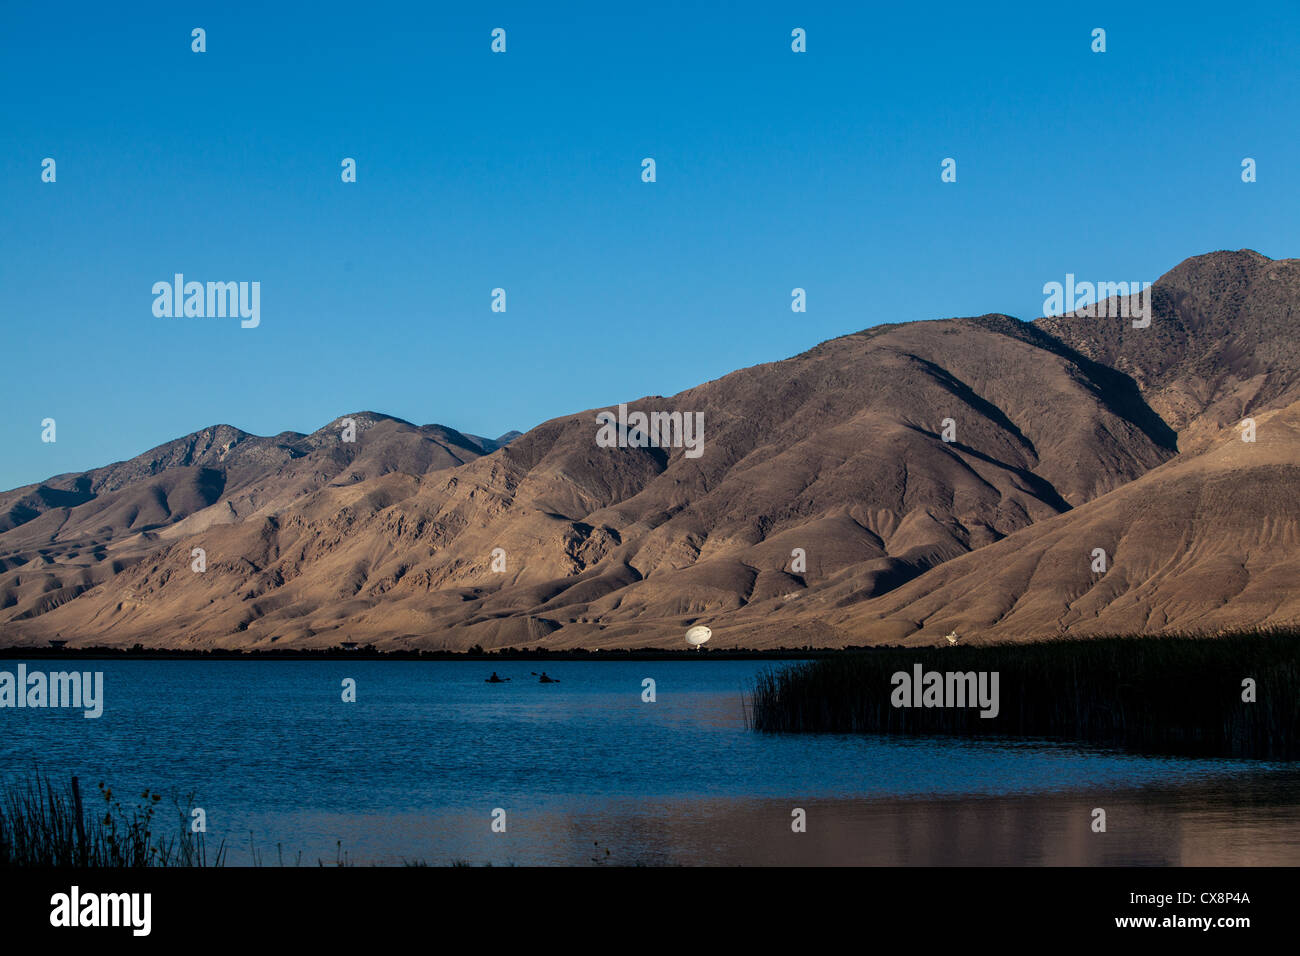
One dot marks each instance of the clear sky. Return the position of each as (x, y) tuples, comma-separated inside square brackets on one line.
[(522, 170)]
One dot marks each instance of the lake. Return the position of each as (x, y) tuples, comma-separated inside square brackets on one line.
[(414, 768)]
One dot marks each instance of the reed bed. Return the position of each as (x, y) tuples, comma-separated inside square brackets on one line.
[(1175, 694), (45, 825)]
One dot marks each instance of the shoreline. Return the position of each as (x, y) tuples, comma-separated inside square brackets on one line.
[(1233, 821), (529, 654)]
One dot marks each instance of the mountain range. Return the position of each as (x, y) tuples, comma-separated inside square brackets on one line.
[(888, 486)]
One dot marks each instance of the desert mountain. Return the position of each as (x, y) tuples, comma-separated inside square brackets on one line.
[(1205, 542), (899, 462), (65, 535), (1223, 342)]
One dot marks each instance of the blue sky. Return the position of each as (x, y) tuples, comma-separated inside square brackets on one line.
[(522, 171)]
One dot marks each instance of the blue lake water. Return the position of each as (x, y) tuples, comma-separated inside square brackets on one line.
[(415, 767)]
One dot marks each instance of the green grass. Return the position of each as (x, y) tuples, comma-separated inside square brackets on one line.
[(1166, 694)]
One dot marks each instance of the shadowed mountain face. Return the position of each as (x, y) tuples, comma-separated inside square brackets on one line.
[(888, 485), (1204, 542), (1223, 342)]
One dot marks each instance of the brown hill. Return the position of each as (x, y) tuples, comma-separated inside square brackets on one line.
[(1202, 543), (837, 452), (73, 532), (1222, 343)]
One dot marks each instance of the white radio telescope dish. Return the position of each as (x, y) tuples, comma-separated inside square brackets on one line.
[(698, 635)]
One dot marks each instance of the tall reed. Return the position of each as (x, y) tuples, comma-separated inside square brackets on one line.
[(1160, 694), (42, 824)]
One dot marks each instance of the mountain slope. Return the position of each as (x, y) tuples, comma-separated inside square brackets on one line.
[(887, 485), (1204, 542), (837, 451), (1222, 343), (73, 532)]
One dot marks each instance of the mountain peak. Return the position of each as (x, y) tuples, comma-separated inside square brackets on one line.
[(841, 493), (1221, 341)]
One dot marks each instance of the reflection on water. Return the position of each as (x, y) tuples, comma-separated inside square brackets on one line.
[(1225, 824), (585, 769)]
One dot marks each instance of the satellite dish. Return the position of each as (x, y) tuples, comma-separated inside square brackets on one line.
[(698, 635)]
